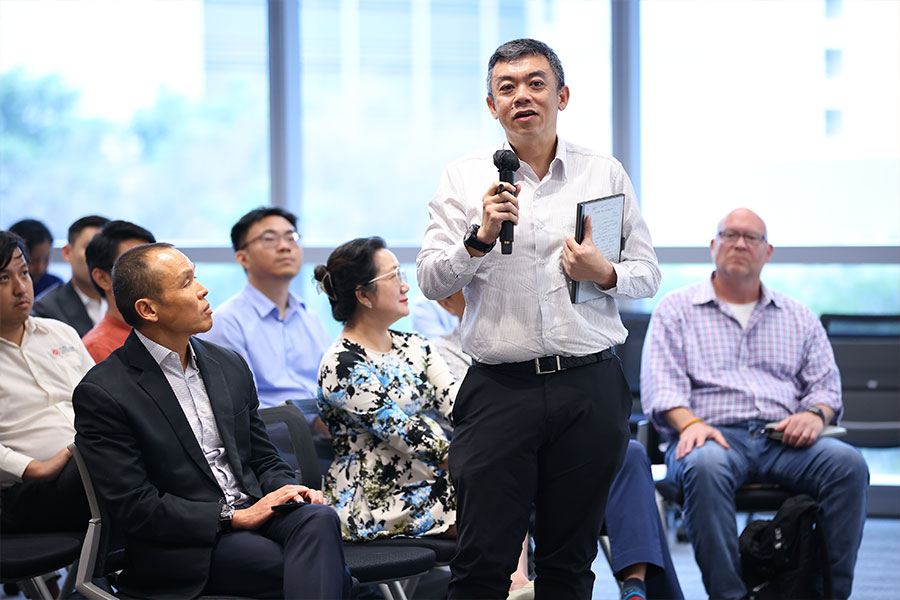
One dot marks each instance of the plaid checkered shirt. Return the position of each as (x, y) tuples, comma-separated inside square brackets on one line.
[(696, 355)]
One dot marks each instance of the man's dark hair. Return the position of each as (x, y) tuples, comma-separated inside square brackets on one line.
[(524, 47), (9, 241), (239, 231), (32, 231), (103, 249), (350, 266), (133, 279), (83, 223)]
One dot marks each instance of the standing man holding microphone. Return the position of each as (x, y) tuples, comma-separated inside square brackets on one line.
[(541, 417)]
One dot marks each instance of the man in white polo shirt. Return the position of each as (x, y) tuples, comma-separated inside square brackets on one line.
[(42, 360)]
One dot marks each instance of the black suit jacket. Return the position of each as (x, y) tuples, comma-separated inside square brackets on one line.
[(146, 463), (63, 304)]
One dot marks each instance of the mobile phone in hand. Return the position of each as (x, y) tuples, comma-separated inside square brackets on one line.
[(287, 506)]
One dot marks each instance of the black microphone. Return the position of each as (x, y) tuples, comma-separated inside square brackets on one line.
[(507, 163)]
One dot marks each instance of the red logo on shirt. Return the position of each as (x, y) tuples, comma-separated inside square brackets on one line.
[(55, 352)]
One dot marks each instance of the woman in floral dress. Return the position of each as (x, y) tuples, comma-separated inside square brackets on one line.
[(376, 388)]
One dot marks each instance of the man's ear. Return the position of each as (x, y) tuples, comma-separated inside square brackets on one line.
[(103, 279), (242, 259), (563, 97), (491, 107), (67, 253), (146, 310)]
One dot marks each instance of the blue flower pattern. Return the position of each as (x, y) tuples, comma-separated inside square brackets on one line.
[(387, 479)]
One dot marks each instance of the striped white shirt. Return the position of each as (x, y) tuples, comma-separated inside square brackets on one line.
[(188, 387), (518, 306)]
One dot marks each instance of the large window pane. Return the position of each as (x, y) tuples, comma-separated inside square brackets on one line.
[(394, 90), (875, 289), (155, 112), (789, 107)]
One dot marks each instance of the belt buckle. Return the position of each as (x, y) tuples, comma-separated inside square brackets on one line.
[(539, 371)]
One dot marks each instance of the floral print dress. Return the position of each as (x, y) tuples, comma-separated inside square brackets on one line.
[(386, 479)]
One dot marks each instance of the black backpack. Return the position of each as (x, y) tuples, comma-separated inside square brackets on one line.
[(781, 558)]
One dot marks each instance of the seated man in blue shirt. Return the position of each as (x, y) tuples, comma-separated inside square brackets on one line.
[(269, 326)]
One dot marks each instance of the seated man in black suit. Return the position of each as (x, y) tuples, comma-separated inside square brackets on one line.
[(169, 429), (76, 303)]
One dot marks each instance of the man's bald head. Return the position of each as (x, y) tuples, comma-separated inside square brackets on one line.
[(742, 215)]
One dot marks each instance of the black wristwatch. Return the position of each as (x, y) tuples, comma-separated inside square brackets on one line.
[(818, 411), (226, 513), (474, 243)]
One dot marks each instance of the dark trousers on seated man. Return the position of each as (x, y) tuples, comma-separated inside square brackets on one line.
[(265, 562), (552, 441), (46, 505)]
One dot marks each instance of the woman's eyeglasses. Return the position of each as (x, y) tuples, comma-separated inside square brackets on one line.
[(396, 272)]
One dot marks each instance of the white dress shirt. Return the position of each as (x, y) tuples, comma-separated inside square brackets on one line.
[(518, 306), (36, 382), (96, 309), (190, 391)]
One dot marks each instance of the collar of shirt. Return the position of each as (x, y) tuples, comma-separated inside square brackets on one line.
[(706, 294), (265, 307), (557, 165), (162, 355), (95, 308), (30, 325)]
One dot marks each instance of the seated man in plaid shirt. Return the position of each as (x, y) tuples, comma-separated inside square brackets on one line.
[(723, 358)]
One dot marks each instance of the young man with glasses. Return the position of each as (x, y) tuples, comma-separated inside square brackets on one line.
[(279, 337), (723, 358)]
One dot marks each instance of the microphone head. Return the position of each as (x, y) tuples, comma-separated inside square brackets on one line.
[(506, 160)]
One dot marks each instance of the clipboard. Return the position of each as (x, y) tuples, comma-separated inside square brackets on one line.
[(607, 220)]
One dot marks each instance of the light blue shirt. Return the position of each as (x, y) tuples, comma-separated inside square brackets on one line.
[(430, 319), (284, 354)]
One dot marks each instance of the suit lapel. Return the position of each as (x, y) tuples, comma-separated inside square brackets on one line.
[(222, 403), (154, 383), (74, 309)]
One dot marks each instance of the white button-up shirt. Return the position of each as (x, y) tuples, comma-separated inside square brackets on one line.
[(518, 306), (36, 383), (96, 309)]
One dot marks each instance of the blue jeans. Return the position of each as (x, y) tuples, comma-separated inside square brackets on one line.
[(832, 472)]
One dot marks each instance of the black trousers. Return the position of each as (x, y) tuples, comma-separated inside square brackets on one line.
[(554, 442), (46, 505), (295, 555)]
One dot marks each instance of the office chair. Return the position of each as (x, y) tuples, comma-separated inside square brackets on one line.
[(867, 353), (384, 565), (102, 555), (26, 557)]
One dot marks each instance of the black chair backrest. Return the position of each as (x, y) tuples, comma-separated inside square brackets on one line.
[(290, 433), (630, 351), (868, 363)]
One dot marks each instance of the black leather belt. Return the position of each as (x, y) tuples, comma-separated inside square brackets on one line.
[(552, 364)]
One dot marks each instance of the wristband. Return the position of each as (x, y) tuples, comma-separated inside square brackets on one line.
[(689, 423)]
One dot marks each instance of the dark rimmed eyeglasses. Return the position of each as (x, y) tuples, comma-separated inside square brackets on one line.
[(730, 236)]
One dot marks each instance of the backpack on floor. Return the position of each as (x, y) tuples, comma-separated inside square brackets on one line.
[(781, 558)]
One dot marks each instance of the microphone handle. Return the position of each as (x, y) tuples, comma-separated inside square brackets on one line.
[(506, 229)]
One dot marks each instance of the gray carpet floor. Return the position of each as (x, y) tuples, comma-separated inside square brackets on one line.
[(877, 574)]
